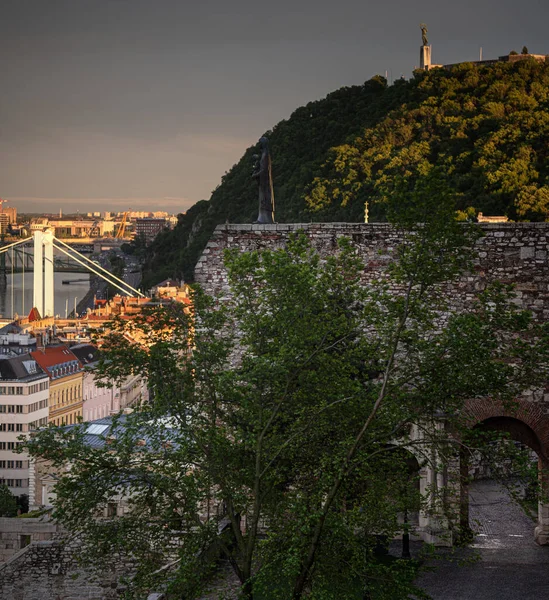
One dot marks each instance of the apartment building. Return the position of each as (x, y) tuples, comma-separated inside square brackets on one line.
[(66, 380), (150, 228), (24, 390), (11, 212), (15, 340), (98, 401)]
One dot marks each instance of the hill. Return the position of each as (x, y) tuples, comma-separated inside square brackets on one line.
[(485, 128)]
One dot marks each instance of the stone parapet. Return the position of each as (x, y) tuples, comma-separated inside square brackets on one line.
[(513, 253)]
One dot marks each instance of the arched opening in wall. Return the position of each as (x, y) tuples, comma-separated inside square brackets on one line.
[(499, 484)]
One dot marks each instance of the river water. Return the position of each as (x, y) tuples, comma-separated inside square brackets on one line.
[(16, 293)]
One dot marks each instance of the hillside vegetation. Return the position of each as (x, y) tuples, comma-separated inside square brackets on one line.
[(486, 129)]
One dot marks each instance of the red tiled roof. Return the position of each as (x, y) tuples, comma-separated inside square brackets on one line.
[(34, 315), (53, 355)]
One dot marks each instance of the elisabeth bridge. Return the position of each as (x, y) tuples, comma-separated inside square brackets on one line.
[(40, 256)]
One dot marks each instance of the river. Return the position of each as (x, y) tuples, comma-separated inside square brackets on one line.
[(16, 294)]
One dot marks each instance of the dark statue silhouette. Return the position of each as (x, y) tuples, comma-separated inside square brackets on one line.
[(262, 172)]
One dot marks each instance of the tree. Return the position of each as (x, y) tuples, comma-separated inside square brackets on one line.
[(525, 50), (272, 428), (532, 203), (8, 502)]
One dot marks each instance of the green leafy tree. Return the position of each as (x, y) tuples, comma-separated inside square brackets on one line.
[(532, 203), (8, 502), (271, 430)]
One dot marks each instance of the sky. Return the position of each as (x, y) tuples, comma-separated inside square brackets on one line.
[(145, 104)]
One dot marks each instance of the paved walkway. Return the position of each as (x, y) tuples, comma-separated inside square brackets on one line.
[(511, 565), (504, 563)]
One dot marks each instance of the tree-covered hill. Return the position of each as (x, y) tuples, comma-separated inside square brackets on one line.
[(485, 128)]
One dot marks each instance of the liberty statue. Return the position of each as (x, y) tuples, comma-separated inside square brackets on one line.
[(423, 28)]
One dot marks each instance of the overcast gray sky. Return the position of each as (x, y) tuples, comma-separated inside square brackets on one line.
[(110, 104)]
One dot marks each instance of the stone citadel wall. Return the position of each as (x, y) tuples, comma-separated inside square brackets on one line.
[(514, 253), (46, 570), (15, 534)]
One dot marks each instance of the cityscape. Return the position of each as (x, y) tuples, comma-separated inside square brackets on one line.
[(40, 345)]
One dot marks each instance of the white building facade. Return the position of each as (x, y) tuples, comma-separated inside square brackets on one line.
[(24, 391)]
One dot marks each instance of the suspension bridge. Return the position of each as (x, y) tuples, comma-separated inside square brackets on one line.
[(41, 257)]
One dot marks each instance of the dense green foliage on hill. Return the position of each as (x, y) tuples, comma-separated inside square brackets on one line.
[(485, 128)]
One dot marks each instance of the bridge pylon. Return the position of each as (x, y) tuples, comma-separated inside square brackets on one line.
[(43, 288)]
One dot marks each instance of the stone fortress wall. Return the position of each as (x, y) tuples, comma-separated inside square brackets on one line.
[(512, 253), (36, 563), (15, 534), (46, 570)]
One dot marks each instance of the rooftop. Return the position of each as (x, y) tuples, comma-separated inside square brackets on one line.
[(55, 360), (20, 368)]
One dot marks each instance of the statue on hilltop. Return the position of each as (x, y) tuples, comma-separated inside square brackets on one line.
[(424, 34), (262, 172)]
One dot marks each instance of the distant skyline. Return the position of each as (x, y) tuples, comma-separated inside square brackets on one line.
[(85, 205), (111, 104)]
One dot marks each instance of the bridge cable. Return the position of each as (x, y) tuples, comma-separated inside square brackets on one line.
[(109, 277), (95, 266), (23, 294), (6, 248), (12, 286), (97, 272)]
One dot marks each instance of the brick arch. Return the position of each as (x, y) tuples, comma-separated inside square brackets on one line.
[(480, 410)]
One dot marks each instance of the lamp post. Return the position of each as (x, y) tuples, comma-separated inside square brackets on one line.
[(406, 528)]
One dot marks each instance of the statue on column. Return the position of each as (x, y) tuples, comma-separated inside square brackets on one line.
[(424, 34), (262, 172)]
